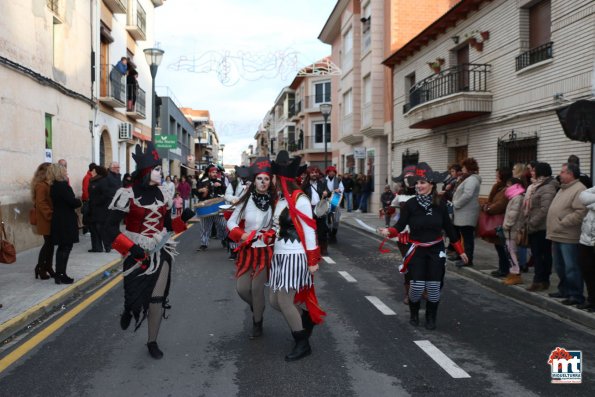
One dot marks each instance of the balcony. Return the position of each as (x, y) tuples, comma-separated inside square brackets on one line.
[(311, 103), (295, 111), (535, 55), (135, 106), (116, 6), (112, 86), (136, 20), (455, 94)]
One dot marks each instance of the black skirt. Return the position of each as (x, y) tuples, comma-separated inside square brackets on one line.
[(428, 263)]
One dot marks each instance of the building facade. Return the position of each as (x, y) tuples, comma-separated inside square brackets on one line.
[(206, 140), (485, 81), (172, 121)]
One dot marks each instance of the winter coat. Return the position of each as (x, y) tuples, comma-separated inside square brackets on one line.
[(100, 197), (496, 205), (513, 219), (540, 202), (587, 197), (114, 182), (466, 201), (64, 228), (43, 208), (566, 214), (184, 190)]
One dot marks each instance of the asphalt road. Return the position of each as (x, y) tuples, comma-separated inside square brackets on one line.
[(499, 347)]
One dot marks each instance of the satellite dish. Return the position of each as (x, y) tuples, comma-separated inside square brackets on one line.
[(578, 121)]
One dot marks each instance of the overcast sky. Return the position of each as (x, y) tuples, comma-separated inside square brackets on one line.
[(273, 37)]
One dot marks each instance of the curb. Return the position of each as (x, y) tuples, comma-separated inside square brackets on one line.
[(16, 324), (518, 293)]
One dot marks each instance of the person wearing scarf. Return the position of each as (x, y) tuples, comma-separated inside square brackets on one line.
[(295, 258), (250, 227), (511, 226), (426, 258), (145, 243)]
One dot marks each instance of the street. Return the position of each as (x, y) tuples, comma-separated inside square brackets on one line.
[(498, 346)]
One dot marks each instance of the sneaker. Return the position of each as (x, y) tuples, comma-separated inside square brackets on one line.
[(202, 248)]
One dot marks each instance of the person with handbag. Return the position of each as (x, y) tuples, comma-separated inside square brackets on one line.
[(465, 203), (42, 219), (513, 222), (250, 227), (425, 259), (538, 199), (64, 227), (494, 209)]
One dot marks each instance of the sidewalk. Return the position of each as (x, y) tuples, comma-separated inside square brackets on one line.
[(25, 299), (485, 261)]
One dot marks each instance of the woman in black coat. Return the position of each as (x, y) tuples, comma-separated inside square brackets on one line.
[(64, 229), (99, 200)]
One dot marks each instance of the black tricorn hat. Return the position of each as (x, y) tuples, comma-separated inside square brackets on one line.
[(407, 172), (424, 171), (147, 159), (283, 165), (242, 172), (260, 165)]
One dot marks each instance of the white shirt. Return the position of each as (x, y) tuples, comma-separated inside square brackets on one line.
[(315, 197), (254, 219), (289, 247), (230, 194), (330, 184)]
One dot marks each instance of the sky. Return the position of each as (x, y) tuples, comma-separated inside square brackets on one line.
[(264, 43)]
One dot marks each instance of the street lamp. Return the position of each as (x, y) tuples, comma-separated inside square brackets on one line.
[(154, 56), (325, 109)]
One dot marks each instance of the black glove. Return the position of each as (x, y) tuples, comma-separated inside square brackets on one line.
[(187, 214), (137, 252)]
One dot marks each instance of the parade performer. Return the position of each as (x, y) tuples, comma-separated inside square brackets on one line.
[(145, 244), (210, 186), (295, 258), (333, 185), (316, 190), (250, 226), (233, 193), (425, 258)]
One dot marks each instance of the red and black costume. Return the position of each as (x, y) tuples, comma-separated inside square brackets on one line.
[(145, 244)]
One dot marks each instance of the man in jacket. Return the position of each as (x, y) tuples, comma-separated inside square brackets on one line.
[(563, 224), (348, 184), (317, 190), (114, 178), (85, 197), (333, 185)]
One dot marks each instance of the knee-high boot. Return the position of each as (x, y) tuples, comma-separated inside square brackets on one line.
[(431, 311), (301, 348), (414, 313)]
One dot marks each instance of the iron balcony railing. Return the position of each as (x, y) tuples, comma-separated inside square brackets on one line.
[(466, 77), (295, 108), (112, 83), (136, 100), (537, 54)]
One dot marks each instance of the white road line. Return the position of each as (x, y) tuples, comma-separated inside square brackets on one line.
[(328, 259), (348, 277), (380, 306), (441, 359)]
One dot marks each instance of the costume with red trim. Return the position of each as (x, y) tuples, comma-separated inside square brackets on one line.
[(145, 243)]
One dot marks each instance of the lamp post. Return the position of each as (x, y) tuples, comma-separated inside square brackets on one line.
[(154, 56), (325, 109)]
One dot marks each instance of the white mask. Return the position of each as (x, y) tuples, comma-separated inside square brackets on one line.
[(156, 175)]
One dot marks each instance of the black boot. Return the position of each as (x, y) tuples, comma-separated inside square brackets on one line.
[(256, 329), (431, 311), (414, 313), (307, 323), (125, 319), (301, 348), (154, 350), (333, 236)]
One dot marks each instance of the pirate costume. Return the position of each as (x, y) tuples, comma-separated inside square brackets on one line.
[(290, 281), (253, 215), (233, 193), (145, 244), (425, 258), (216, 219), (334, 216)]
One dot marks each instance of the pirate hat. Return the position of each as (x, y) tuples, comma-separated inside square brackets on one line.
[(286, 167), (144, 160), (210, 167), (425, 172), (242, 172), (407, 172), (259, 166)]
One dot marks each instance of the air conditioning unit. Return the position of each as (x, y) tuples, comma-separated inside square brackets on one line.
[(125, 132)]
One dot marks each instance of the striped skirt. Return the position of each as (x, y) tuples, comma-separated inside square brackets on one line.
[(254, 260), (289, 271)]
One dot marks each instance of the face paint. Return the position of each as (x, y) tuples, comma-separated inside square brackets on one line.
[(262, 183), (156, 175)]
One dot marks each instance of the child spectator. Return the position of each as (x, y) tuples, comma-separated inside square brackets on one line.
[(178, 204)]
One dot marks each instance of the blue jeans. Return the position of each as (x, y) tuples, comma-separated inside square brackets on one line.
[(363, 203), (565, 258), (521, 255), (348, 200)]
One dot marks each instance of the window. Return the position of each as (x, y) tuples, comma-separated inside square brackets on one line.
[(539, 34), (348, 42), (512, 151), (348, 103), (318, 131), (366, 21), (322, 92), (367, 89), (409, 158)]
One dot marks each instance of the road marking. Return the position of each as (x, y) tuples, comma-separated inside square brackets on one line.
[(380, 306), (347, 277), (442, 359), (30, 344), (328, 259)]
